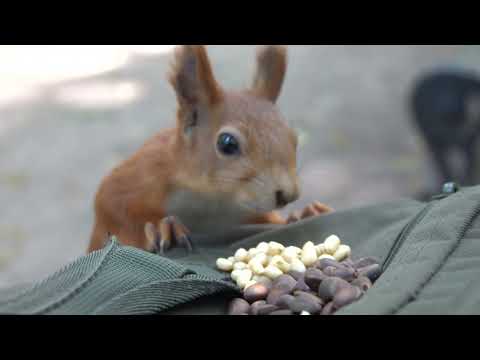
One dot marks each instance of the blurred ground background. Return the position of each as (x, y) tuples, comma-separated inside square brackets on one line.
[(68, 114)]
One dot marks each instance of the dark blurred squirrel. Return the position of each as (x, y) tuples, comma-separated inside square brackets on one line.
[(446, 110)]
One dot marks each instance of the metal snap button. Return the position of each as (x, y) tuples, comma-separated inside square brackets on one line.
[(450, 188)]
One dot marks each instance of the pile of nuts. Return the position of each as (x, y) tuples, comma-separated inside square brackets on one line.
[(315, 280)]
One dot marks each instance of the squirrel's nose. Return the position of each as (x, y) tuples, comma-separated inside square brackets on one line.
[(283, 198)]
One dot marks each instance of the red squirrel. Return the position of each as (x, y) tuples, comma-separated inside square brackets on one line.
[(230, 160)]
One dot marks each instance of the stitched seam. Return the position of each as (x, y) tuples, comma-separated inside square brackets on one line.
[(410, 249), (404, 234), (403, 256), (74, 292), (81, 286), (32, 287)]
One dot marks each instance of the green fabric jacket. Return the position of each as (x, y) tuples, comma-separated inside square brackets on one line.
[(431, 256)]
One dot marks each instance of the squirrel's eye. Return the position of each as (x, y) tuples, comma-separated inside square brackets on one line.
[(228, 144)]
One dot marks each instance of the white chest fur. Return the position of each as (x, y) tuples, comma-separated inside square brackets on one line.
[(202, 214)]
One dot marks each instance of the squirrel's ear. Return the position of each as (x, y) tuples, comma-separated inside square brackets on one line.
[(192, 77), (270, 72)]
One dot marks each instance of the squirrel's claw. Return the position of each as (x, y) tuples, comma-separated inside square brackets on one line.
[(170, 232), (181, 234), (294, 217), (322, 208), (158, 244), (315, 209)]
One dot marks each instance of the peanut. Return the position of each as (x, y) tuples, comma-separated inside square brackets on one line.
[(263, 247), (272, 272), (280, 263), (309, 254), (241, 255), (240, 266), (325, 256), (308, 245), (224, 265), (331, 244), (244, 278), (256, 267), (261, 258), (343, 252), (290, 254), (253, 252), (320, 249), (297, 265), (275, 248), (234, 275)]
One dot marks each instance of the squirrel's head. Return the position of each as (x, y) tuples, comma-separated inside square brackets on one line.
[(235, 144)]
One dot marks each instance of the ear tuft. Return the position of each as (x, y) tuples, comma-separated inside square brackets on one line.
[(192, 77), (270, 72)]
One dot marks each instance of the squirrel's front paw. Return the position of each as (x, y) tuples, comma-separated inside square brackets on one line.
[(169, 233), (312, 210)]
